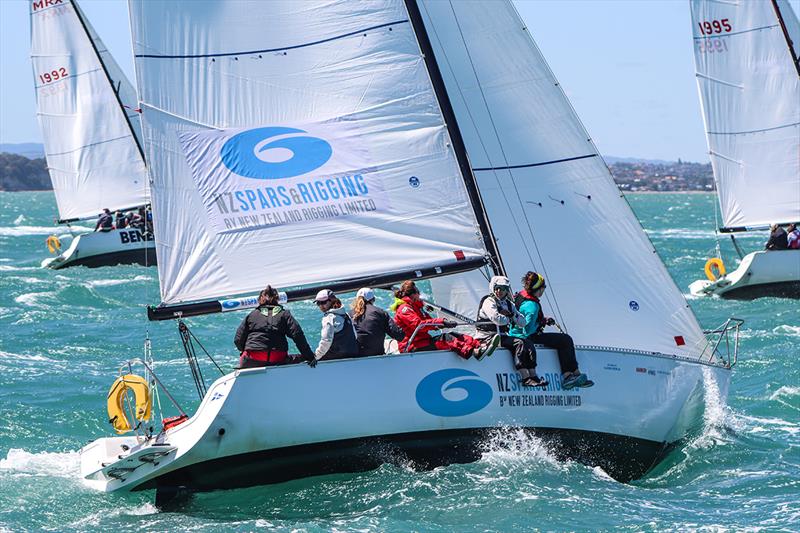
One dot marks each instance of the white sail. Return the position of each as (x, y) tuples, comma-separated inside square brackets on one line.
[(750, 94), (293, 149), (90, 144), (550, 198)]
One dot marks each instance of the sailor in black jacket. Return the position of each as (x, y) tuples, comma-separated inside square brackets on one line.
[(261, 336), (372, 324)]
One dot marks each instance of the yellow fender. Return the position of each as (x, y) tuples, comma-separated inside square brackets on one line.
[(53, 244), (715, 263), (116, 401)]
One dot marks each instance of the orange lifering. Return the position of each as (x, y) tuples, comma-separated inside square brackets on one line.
[(53, 244), (711, 265)]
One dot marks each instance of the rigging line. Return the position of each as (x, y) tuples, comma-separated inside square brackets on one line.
[(753, 131), (551, 296), (789, 43), (79, 15), (543, 163), (270, 50)]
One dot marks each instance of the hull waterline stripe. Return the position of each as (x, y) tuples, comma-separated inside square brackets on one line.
[(530, 165), (270, 50)]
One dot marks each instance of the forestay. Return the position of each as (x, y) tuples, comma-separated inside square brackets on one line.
[(293, 143), (750, 93), (550, 198), (89, 137)]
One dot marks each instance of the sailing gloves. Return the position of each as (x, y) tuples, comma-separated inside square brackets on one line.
[(449, 323)]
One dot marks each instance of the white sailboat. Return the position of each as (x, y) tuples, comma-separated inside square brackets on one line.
[(748, 76), (91, 129), (469, 158)]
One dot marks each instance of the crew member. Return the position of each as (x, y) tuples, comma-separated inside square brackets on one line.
[(105, 222), (793, 237), (261, 337), (778, 240), (372, 324), (338, 337), (528, 302), (496, 313), (410, 313), (119, 220)]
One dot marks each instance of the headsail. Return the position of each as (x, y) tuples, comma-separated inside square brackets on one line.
[(550, 197), (294, 143), (86, 109), (749, 90)]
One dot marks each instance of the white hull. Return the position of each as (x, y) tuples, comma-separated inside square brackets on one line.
[(108, 248), (763, 273), (261, 426)]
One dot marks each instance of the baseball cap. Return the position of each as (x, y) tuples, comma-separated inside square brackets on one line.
[(323, 295), (366, 292)]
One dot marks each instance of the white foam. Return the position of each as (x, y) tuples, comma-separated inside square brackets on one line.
[(681, 233), (784, 392), (21, 357), (56, 464), (112, 282), (11, 268), (95, 519), (22, 231), (514, 445), (19, 220), (785, 329), (31, 298)]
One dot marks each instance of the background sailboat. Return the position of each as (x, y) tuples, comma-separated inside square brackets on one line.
[(258, 140), (87, 110), (748, 77)]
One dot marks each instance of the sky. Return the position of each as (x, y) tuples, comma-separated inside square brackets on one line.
[(626, 65)]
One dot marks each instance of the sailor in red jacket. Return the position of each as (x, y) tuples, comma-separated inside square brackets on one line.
[(411, 313)]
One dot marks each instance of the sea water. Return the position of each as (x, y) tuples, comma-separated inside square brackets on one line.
[(65, 334)]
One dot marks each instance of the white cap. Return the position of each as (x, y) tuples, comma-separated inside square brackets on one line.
[(366, 292), (323, 295)]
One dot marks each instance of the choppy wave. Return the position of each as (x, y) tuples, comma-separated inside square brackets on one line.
[(681, 233), (112, 282), (784, 329), (23, 231), (55, 464)]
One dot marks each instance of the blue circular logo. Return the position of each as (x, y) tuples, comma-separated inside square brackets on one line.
[(634, 305), (259, 155), (230, 304), (413, 181), (430, 392)]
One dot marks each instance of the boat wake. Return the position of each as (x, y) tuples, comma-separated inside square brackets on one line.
[(52, 464)]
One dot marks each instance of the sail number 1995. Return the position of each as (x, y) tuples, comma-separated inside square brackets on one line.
[(715, 26), (54, 75)]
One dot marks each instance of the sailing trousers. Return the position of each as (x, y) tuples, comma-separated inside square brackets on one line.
[(522, 350), (456, 342), (563, 345)]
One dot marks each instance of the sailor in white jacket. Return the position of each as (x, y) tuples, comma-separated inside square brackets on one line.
[(496, 313), (338, 336)]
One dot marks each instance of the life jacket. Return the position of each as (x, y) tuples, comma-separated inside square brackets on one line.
[(345, 343), (491, 328), (521, 297)]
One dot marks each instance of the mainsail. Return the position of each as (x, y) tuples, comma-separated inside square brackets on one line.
[(86, 109), (749, 82), (296, 144), (549, 196)]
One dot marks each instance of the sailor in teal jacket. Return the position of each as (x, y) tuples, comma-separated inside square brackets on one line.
[(528, 303)]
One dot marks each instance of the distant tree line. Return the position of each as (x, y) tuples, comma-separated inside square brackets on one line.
[(18, 173)]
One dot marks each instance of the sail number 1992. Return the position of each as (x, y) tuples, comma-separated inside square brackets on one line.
[(715, 26), (53, 75)]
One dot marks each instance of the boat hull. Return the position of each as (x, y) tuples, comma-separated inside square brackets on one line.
[(261, 426), (97, 249), (762, 273)]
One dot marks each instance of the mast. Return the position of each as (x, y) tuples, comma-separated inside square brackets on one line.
[(108, 78), (418, 25), (789, 43)]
